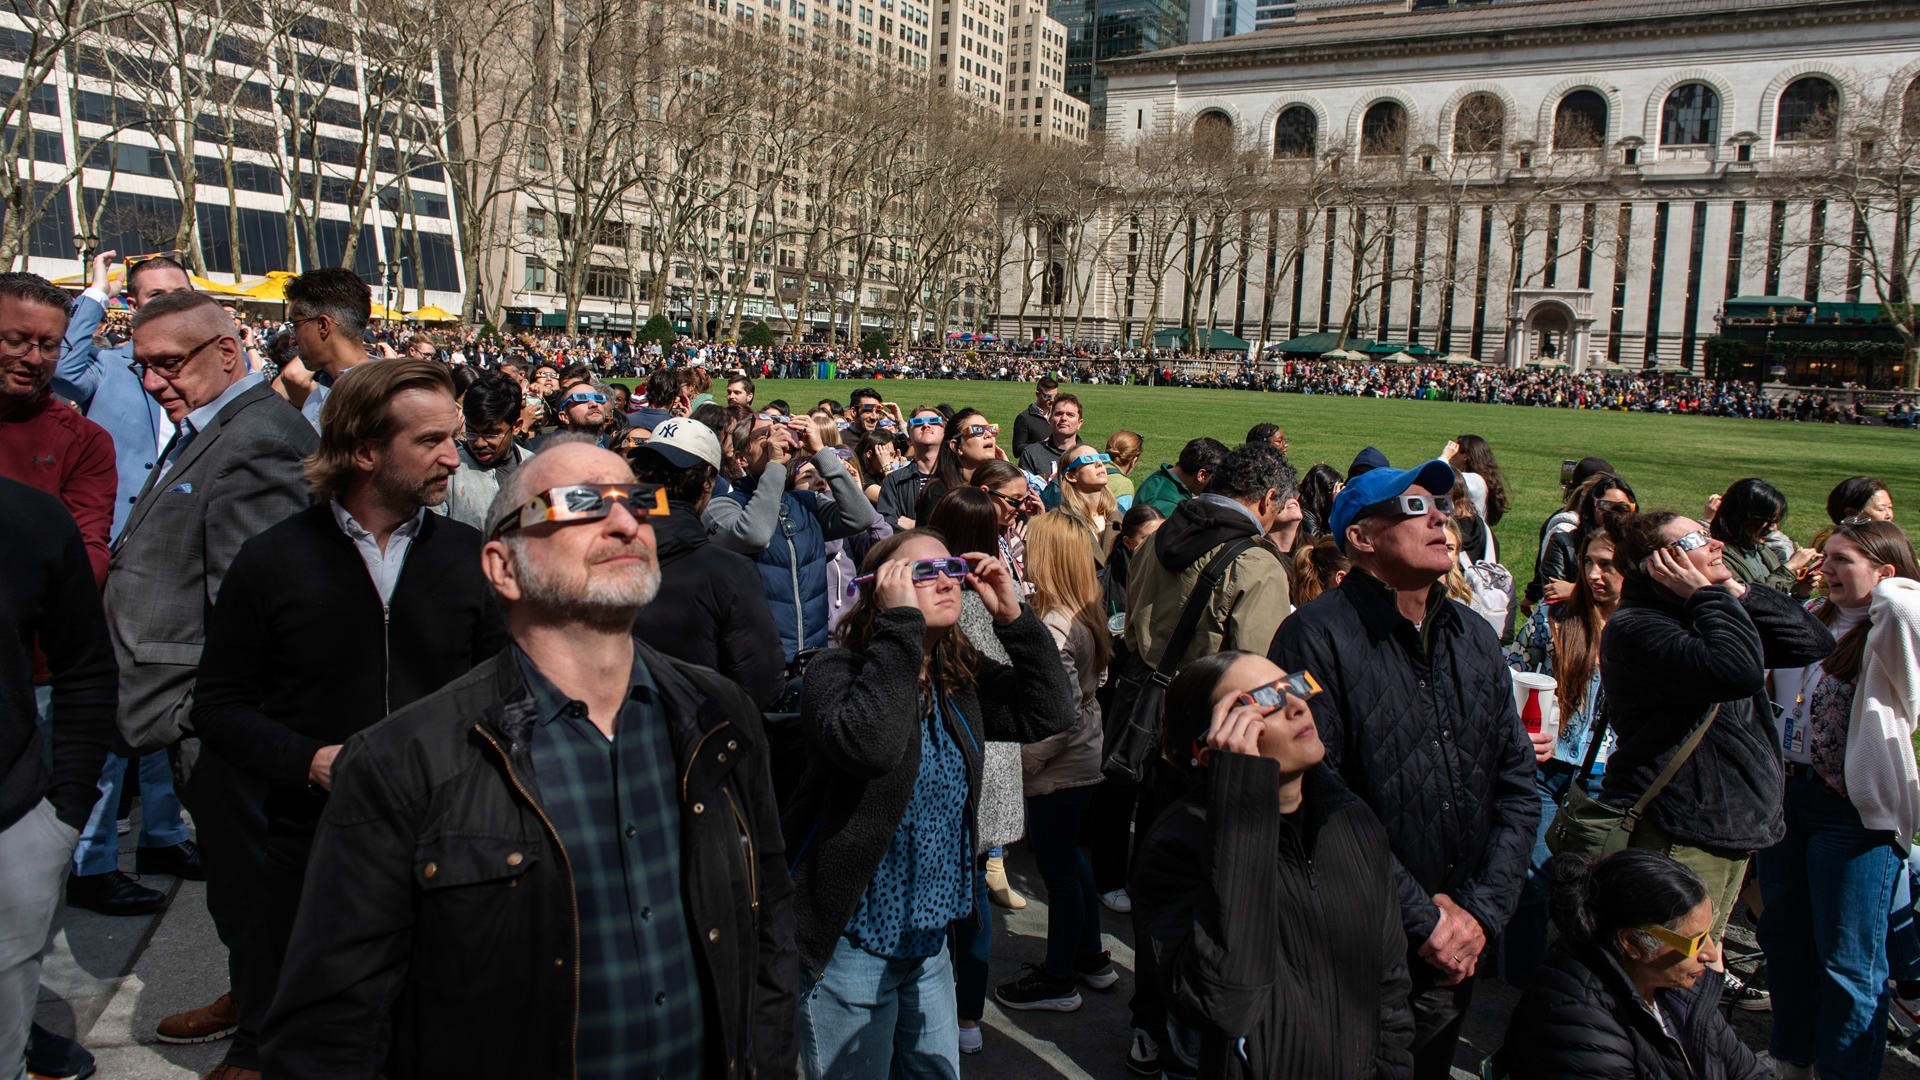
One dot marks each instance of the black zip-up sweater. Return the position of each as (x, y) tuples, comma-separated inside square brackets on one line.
[(1282, 930), (48, 592), (300, 653)]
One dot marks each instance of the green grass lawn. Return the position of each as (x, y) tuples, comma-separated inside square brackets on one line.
[(1671, 461)]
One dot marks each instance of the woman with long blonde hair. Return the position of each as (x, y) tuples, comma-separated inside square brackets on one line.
[(1085, 498), (1060, 772)]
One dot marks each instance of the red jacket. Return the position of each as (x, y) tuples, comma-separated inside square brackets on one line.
[(70, 457)]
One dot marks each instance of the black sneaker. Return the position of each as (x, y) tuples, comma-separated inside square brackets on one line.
[(113, 893), (1741, 996), (56, 1057), (1143, 1056), (1036, 991), (1097, 970)]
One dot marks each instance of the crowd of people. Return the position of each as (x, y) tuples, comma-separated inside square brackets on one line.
[(532, 724)]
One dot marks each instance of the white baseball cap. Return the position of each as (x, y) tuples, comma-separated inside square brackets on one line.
[(684, 443)]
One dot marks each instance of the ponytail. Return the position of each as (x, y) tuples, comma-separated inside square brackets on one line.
[(1594, 900)]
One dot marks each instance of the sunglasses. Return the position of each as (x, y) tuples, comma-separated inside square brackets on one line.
[(1014, 502), (586, 397), (927, 421), (972, 430), (1856, 521), (583, 502), (925, 573), (1084, 460), (1616, 506), (1685, 946), (771, 418), (1300, 684)]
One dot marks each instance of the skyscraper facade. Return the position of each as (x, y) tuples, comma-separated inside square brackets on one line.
[(1102, 30)]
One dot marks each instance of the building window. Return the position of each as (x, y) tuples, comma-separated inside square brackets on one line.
[(1479, 125), (1691, 116), (536, 276), (1296, 133), (1213, 133), (1808, 110), (1383, 130), (1580, 121), (1910, 111), (536, 223)]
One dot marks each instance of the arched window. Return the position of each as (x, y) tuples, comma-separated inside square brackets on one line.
[(1691, 116), (1910, 111), (1580, 121), (1383, 130), (1808, 109), (1479, 125), (1213, 132), (1296, 133)]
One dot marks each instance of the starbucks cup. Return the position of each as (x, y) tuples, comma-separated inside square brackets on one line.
[(1534, 698)]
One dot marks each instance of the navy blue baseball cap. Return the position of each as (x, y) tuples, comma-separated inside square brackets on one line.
[(1376, 486)]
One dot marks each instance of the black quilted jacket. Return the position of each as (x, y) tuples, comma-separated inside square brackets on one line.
[(1580, 1017), (1420, 723)]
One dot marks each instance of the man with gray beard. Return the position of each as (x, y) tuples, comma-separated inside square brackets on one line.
[(567, 862)]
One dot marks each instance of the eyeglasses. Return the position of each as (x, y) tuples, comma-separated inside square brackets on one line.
[(925, 573), (1300, 684), (21, 346), (1084, 460), (972, 430), (305, 319), (1856, 520), (927, 421), (470, 435), (1616, 506), (771, 418), (583, 502), (168, 366), (1685, 946), (1412, 505), (586, 397), (1014, 502)]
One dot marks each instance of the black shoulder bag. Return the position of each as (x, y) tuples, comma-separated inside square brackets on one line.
[(1133, 729)]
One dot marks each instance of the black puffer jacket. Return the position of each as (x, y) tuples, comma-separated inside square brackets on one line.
[(1665, 662), (711, 609), (438, 932), (1581, 1017), (1420, 723), (1280, 930), (861, 715)]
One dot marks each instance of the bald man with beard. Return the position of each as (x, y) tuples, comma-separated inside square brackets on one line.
[(567, 863)]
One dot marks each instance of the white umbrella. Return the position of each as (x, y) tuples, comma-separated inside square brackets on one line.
[(1459, 358), (1344, 354), (1400, 358)]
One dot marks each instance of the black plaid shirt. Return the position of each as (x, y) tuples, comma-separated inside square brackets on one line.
[(613, 803)]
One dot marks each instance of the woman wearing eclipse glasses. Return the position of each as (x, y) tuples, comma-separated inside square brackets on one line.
[(881, 829), (1282, 966), (1686, 652), (1630, 990)]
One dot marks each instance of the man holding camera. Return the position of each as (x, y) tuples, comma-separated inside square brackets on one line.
[(786, 531)]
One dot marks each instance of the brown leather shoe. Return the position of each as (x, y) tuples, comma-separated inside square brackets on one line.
[(223, 1071), (208, 1023)]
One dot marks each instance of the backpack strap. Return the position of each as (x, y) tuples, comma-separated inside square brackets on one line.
[(1210, 576)]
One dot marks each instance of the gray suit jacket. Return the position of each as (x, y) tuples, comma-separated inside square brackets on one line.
[(239, 475)]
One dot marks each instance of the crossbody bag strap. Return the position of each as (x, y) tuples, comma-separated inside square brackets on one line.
[(1673, 765), (1197, 600), (1597, 736)]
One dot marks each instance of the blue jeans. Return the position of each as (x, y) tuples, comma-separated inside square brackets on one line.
[(870, 1017), (1523, 947), (970, 940), (161, 824), (1073, 905), (1828, 888)]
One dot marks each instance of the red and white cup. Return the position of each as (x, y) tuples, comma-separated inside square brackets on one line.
[(1533, 696)]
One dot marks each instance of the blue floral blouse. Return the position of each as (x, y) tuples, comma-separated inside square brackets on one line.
[(1532, 651)]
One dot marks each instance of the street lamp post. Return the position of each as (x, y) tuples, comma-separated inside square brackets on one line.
[(84, 247)]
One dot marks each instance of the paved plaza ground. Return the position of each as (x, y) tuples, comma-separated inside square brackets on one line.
[(112, 979)]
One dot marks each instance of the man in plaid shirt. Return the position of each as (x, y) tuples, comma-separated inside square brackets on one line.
[(567, 863)]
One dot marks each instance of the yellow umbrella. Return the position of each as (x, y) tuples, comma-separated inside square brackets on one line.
[(203, 284), (433, 313), (382, 311), (273, 287)]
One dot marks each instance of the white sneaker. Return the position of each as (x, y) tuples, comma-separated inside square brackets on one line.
[(971, 1040), (1117, 901), (1143, 1057)]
